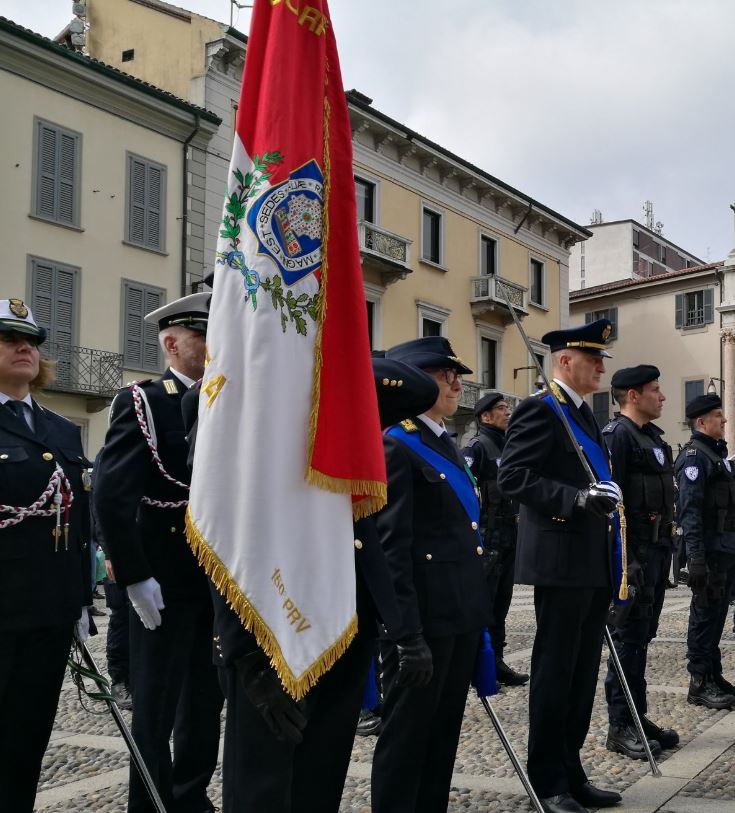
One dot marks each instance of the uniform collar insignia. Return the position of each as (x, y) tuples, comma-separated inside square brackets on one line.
[(558, 392), (409, 426), (170, 386)]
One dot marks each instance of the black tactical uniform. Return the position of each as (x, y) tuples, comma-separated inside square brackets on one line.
[(706, 516), (642, 465), (499, 527)]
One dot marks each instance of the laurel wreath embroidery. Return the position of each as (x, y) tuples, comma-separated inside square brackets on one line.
[(293, 309)]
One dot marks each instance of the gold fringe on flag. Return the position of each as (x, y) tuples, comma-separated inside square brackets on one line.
[(296, 686)]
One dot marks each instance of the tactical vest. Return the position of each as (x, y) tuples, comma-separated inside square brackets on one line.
[(650, 491), (719, 495), (497, 513)]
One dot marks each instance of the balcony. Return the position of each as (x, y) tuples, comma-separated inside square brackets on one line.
[(384, 251), (485, 297), (472, 391), (95, 374)]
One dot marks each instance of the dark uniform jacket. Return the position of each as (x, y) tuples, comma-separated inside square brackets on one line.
[(39, 586), (557, 545), (433, 552), (706, 497), (145, 540)]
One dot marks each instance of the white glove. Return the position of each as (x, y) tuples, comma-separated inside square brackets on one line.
[(610, 488), (82, 627), (147, 600)]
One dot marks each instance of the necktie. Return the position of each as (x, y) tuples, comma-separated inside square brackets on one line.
[(450, 445), (589, 418), (19, 409)]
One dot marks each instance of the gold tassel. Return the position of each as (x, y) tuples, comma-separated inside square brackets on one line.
[(623, 592), (213, 566)]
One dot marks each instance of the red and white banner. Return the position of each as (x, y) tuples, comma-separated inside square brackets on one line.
[(288, 443)]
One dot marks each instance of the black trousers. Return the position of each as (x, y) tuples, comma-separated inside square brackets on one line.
[(118, 633), (175, 690), (32, 666), (416, 749), (632, 638), (564, 665), (262, 773), (707, 623), (501, 595)]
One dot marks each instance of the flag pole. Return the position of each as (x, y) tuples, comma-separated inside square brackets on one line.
[(500, 286)]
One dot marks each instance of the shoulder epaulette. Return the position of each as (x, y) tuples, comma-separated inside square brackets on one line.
[(557, 390), (610, 427), (142, 383), (473, 441), (408, 426), (691, 451)]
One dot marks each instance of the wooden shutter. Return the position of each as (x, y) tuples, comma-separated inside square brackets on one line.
[(67, 150), (140, 340), (46, 171), (612, 315), (709, 305), (136, 225), (42, 294), (147, 189), (151, 358), (679, 311), (153, 207), (56, 174)]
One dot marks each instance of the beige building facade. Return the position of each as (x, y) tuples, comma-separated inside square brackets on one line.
[(671, 320), (93, 215)]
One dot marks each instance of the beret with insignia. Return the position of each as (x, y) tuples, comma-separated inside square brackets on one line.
[(703, 404)]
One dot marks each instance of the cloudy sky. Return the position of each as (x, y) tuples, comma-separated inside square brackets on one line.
[(581, 105)]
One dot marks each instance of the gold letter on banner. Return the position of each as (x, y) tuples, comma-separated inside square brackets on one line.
[(212, 387)]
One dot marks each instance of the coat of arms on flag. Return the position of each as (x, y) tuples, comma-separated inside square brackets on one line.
[(288, 445)]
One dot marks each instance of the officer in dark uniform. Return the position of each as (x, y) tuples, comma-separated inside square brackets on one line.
[(45, 578), (498, 522), (643, 467), (706, 517), (286, 757), (564, 538), (141, 491), (429, 531)]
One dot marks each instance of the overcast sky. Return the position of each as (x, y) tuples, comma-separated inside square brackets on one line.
[(580, 105)]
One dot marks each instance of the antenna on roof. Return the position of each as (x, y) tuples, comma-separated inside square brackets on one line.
[(596, 217), (233, 5), (659, 227), (648, 213)]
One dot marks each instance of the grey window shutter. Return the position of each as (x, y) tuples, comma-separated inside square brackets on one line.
[(151, 358), (64, 307), (153, 208), (66, 176), (133, 329), (136, 226), (709, 305), (42, 296), (679, 311), (46, 174), (612, 315)]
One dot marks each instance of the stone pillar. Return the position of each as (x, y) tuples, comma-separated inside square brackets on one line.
[(727, 335)]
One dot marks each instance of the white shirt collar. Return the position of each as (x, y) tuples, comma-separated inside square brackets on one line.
[(184, 379), (435, 427), (576, 399), (27, 400)]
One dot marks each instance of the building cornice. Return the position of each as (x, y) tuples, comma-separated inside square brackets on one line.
[(680, 281)]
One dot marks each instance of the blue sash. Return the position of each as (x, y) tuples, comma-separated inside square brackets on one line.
[(460, 480), (598, 459)]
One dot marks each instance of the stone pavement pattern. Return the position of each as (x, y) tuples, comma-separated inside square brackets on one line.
[(85, 768)]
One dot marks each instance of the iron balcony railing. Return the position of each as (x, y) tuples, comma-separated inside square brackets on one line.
[(384, 244), (485, 289), (84, 370), (472, 391)]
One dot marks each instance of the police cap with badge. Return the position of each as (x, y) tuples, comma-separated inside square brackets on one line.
[(591, 338), (16, 317), (429, 353), (190, 311)]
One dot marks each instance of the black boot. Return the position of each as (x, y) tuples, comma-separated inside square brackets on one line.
[(623, 739), (507, 676), (665, 737), (369, 724), (704, 691), (723, 684)]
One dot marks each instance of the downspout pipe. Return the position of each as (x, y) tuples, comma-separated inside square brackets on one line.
[(184, 202)]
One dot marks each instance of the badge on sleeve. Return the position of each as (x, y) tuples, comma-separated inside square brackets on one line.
[(692, 472), (659, 455), (469, 461)]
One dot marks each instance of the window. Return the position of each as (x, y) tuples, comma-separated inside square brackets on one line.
[(663, 255), (128, 55), (432, 319), (370, 317), (692, 390), (140, 339), (373, 296), (601, 407), (636, 237), (429, 327), (365, 200), (611, 314), (536, 294), (54, 302), (488, 362), (146, 204), (431, 236), (695, 308), (56, 173), (488, 256)]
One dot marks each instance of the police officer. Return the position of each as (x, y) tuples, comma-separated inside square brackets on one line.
[(498, 522), (706, 517), (45, 577), (429, 530), (643, 467), (274, 749), (564, 537), (141, 490)]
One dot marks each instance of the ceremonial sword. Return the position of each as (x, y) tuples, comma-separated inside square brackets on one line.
[(499, 285)]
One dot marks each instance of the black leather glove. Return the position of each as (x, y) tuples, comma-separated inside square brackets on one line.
[(415, 664), (597, 499), (264, 690), (697, 566)]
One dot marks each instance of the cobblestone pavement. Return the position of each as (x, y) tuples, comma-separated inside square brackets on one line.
[(86, 765)]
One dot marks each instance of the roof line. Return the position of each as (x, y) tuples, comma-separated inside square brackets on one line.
[(617, 285), (594, 226)]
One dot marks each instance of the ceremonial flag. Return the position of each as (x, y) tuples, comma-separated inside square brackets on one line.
[(288, 443)]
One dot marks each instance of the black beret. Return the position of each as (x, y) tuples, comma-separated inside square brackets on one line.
[(402, 390), (634, 376), (427, 353), (703, 404), (591, 338), (487, 402)]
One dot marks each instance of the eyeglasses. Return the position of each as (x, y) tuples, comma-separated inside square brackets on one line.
[(11, 337), (450, 375)]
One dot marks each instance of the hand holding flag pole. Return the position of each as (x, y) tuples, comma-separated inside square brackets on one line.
[(623, 592)]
